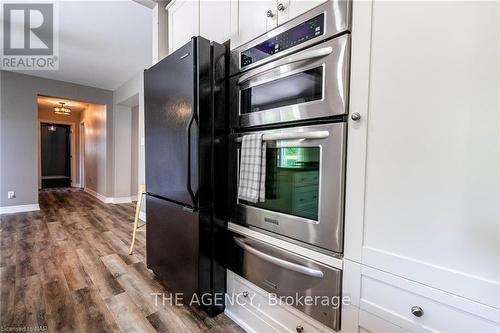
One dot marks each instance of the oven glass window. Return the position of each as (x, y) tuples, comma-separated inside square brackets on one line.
[(298, 88), (292, 181)]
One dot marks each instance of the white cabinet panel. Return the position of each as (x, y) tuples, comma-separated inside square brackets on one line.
[(293, 8), (252, 19), (183, 22), (431, 182), (215, 20)]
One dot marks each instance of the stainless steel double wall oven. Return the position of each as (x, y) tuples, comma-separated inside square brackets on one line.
[(292, 85)]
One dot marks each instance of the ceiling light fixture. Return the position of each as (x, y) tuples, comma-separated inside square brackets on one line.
[(62, 109)]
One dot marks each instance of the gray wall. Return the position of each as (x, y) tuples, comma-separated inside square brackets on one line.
[(18, 131)]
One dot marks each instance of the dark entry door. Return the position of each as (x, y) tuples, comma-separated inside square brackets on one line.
[(56, 155)]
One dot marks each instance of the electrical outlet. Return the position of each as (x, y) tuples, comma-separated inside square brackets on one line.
[(11, 194)]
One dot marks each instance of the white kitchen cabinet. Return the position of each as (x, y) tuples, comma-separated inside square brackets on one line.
[(404, 305), (422, 198), (183, 22), (254, 19), (215, 20), (288, 9)]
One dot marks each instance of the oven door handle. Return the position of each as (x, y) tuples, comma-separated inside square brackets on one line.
[(314, 135), (279, 262), (313, 54)]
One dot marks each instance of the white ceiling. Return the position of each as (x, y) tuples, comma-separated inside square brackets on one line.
[(102, 43)]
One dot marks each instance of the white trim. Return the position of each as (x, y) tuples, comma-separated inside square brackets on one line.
[(357, 130), (323, 258), (96, 195), (19, 209), (133, 197), (81, 152), (142, 216), (77, 185), (119, 200)]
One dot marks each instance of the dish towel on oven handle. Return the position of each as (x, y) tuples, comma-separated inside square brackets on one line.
[(252, 178)]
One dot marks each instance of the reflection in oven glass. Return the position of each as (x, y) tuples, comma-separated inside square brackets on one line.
[(292, 181)]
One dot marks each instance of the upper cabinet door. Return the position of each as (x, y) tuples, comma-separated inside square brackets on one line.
[(288, 9), (183, 23), (215, 20), (255, 18)]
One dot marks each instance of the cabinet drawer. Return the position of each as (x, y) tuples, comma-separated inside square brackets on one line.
[(282, 317), (398, 301), (303, 198), (307, 285), (306, 178)]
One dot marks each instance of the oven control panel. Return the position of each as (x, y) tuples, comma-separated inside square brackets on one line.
[(297, 35)]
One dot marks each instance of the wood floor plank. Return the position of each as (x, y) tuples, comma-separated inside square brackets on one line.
[(92, 312), (67, 267), (128, 316), (100, 276), (61, 315)]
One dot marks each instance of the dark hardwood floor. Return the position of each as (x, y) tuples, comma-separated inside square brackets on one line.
[(67, 268)]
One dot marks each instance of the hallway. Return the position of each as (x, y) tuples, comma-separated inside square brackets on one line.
[(67, 267)]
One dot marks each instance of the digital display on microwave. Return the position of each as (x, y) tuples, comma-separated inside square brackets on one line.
[(290, 38)]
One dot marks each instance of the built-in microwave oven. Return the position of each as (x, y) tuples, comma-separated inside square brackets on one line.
[(304, 185), (296, 73)]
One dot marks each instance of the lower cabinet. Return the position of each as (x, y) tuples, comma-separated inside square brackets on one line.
[(382, 302), (249, 306)]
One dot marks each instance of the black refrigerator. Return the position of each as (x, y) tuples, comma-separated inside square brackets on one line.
[(185, 147)]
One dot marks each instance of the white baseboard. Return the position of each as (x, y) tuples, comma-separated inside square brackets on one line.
[(111, 200), (19, 209), (96, 195), (142, 216), (133, 197), (119, 200), (77, 185)]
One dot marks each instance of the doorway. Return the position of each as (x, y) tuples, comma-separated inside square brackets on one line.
[(55, 142)]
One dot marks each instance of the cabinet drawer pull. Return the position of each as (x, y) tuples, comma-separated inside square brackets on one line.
[(245, 294), (417, 311), (299, 329), (281, 7), (270, 14)]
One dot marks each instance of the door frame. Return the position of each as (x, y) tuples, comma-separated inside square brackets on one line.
[(72, 148), (81, 144)]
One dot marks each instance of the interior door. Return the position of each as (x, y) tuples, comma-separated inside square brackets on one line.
[(55, 155)]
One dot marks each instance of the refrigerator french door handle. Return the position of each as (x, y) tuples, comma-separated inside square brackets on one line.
[(188, 185)]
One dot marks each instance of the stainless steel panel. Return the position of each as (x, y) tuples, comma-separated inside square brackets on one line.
[(285, 274), (327, 231), (337, 20), (333, 56)]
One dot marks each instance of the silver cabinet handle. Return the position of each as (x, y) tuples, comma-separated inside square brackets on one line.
[(306, 55), (281, 7), (299, 328), (417, 311), (293, 136), (270, 14), (355, 116), (278, 261)]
